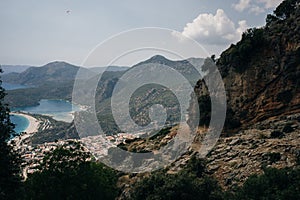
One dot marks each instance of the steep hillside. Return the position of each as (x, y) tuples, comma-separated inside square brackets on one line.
[(147, 95), (262, 72)]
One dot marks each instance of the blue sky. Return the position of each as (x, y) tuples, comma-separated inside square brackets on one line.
[(37, 32)]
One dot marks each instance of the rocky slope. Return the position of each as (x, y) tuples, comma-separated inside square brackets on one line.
[(271, 143), (261, 74)]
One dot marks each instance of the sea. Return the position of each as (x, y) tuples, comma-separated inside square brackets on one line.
[(60, 110), (21, 123)]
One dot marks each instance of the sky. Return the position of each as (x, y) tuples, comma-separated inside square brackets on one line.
[(38, 32)]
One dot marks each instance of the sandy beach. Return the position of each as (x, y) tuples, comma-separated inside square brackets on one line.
[(33, 123)]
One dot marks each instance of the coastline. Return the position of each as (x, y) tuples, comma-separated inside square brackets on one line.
[(34, 124)]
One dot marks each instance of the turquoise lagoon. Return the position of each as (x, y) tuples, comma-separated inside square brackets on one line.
[(60, 110)]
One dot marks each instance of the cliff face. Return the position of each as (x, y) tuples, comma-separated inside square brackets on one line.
[(261, 73)]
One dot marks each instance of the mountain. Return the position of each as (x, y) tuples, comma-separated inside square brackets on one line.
[(147, 95), (262, 129), (261, 74), (14, 68), (109, 68), (186, 67), (54, 80), (143, 98), (55, 72)]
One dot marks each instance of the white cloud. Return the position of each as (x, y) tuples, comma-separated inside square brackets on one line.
[(241, 5), (270, 3), (212, 29), (256, 9), (257, 6), (242, 27)]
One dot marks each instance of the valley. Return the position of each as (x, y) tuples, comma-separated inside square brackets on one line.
[(121, 139)]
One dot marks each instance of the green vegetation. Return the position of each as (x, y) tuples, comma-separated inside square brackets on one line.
[(32, 96), (273, 157), (204, 103), (193, 183), (285, 96), (9, 159), (273, 184), (140, 103), (62, 130), (190, 183), (69, 173), (285, 9), (239, 55)]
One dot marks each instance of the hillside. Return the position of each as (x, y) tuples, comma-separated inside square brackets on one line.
[(52, 81), (147, 95), (261, 73), (142, 99), (53, 72), (109, 68), (261, 77), (14, 68), (257, 155)]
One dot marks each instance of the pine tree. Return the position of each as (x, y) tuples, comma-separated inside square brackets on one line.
[(9, 159)]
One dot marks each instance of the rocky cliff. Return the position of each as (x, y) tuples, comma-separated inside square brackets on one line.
[(261, 73)]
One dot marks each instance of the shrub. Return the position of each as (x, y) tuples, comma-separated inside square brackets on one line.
[(273, 184), (277, 134), (66, 173)]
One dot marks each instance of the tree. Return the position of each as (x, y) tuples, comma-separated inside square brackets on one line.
[(283, 11), (69, 173), (273, 184), (9, 159), (190, 183), (286, 8)]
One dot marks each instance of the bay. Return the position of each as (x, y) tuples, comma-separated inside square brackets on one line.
[(60, 110), (21, 123)]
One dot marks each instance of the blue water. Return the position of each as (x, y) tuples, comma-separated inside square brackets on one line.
[(21, 123), (58, 109), (10, 86)]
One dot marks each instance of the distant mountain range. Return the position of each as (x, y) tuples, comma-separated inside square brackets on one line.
[(261, 75), (146, 96), (14, 68), (55, 80), (109, 68), (54, 72)]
